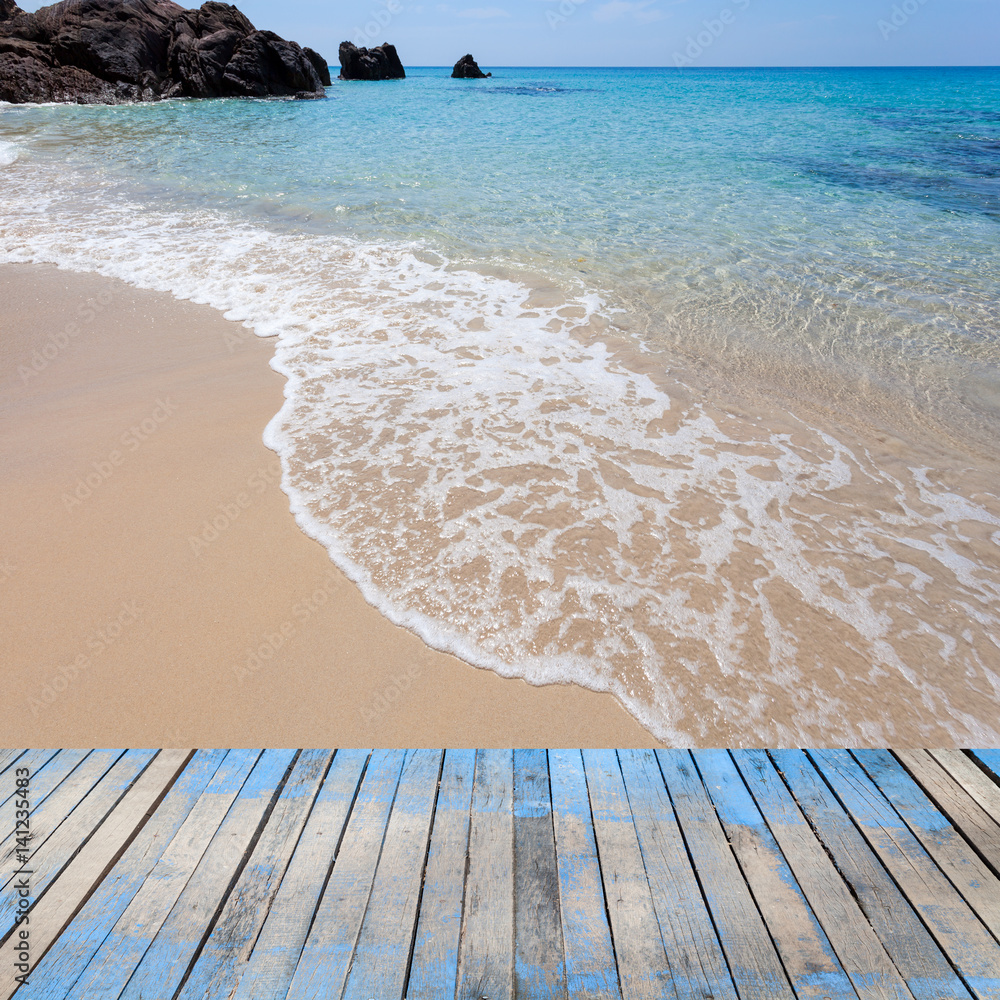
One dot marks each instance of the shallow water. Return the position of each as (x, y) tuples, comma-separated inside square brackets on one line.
[(678, 384)]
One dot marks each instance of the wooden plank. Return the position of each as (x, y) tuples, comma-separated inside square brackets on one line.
[(276, 952), (34, 761), (486, 952), (326, 957), (46, 812), (990, 759), (123, 949), (976, 825), (382, 952), (753, 962), (806, 953), (168, 958), (979, 785), (916, 955), (697, 963), (591, 973), (72, 814), (51, 914), (8, 757), (973, 879), (957, 930), (865, 960), (539, 966), (434, 965), (79, 942), (643, 969), (227, 949)]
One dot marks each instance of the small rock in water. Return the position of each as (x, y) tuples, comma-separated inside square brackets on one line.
[(467, 69), (379, 63)]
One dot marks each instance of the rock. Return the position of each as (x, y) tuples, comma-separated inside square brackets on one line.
[(319, 64), (467, 69), (379, 63), (9, 9), (112, 51)]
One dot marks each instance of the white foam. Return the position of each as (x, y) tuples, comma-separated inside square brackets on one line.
[(531, 505), (9, 153)]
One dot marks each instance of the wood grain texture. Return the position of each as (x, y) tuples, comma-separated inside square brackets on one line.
[(990, 759), (980, 786), (382, 951), (326, 958), (753, 962), (434, 965), (976, 825), (978, 885), (591, 972), (806, 953), (276, 952), (958, 931), (643, 966), (697, 964), (166, 961), (539, 966), (86, 870), (486, 952), (913, 950)]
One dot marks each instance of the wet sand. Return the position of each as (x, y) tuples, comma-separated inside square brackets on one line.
[(155, 588)]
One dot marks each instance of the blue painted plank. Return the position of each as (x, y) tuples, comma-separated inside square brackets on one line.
[(590, 958), (959, 933), (277, 949), (434, 967), (806, 952), (63, 964), (990, 759), (168, 958), (916, 955)]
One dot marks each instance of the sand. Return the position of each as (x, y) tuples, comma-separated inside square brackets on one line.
[(156, 591)]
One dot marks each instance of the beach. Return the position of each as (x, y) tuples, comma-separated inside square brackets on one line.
[(126, 621)]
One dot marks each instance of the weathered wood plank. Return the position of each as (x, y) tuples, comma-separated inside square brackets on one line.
[(539, 967), (168, 958), (979, 785), (990, 759), (753, 962), (383, 947), (274, 957), (123, 949), (808, 957), (915, 953), (34, 761), (72, 813), (973, 879), (224, 955), (957, 930), (326, 957), (978, 827), (856, 944), (51, 914), (697, 964), (69, 956), (434, 966), (643, 967), (591, 973), (8, 757), (486, 952)]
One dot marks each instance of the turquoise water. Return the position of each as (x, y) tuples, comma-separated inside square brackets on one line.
[(792, 274)]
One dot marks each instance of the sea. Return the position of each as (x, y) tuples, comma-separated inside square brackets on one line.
[(679, 384)]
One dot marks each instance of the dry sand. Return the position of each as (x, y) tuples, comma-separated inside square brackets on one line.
[(131, 422)]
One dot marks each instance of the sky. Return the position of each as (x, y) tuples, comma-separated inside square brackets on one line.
[(646, 32)]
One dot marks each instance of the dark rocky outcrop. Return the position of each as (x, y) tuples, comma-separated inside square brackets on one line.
[(112, 51), (379, 63), (468, 69), (9, 9)]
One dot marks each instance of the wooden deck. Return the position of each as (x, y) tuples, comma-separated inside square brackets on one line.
[(464, 875)]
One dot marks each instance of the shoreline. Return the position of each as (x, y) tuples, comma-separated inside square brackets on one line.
[(155, 582)]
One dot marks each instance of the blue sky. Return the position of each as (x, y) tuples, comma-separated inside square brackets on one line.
[(647, 32)]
